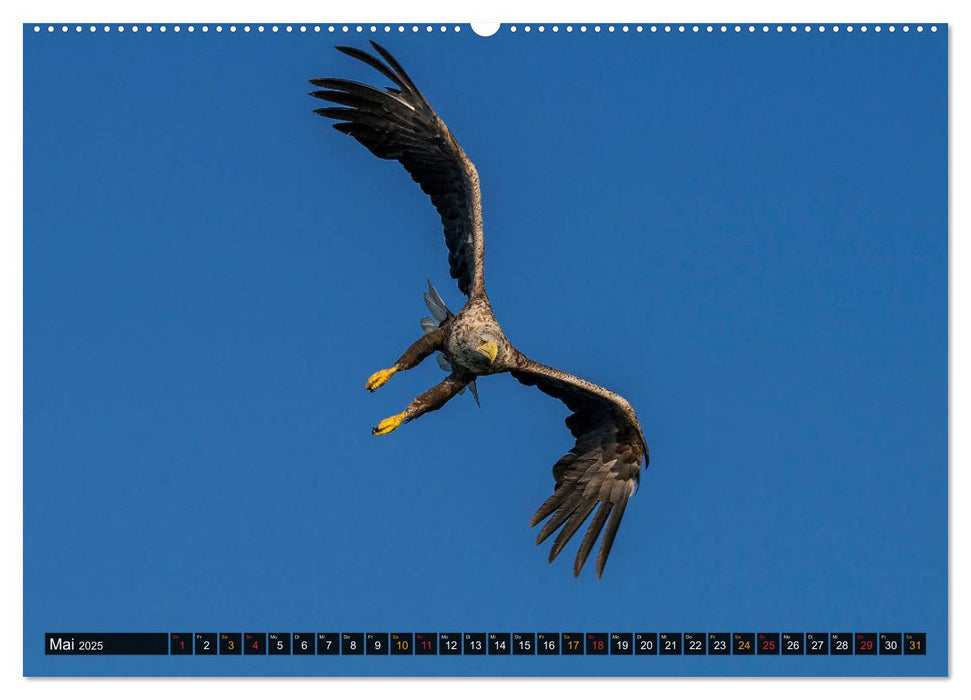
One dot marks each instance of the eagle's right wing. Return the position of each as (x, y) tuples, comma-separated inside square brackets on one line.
[(398, 124)]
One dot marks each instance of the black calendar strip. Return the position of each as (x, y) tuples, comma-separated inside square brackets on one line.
[(487, 643)]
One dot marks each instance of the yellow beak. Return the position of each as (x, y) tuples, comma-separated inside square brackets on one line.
[(490, 350)]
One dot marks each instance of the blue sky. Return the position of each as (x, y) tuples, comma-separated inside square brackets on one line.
[(743, 235)]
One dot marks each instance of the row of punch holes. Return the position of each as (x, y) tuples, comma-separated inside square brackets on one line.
[(414, 28)]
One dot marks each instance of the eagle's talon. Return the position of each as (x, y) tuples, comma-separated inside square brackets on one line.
[(379, 379), (388, 425)]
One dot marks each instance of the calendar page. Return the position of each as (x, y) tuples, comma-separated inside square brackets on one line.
[(401, 350)]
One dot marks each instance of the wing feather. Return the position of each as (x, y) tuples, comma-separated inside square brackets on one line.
[(563, 509), (593, 532), (602, 469), (610, 533), (398, 124), (576, 519)]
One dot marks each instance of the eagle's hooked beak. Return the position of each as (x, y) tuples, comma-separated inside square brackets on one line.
[(490, 350)]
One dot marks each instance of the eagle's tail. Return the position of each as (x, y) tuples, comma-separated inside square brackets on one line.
[(438, 310), (436, 306)]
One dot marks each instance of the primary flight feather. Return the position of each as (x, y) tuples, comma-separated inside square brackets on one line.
[(601, 471)]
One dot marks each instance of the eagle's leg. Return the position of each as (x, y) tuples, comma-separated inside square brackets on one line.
[(418, 351), (431, 400)]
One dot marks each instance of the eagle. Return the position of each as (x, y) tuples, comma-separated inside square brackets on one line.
[(602, 470)]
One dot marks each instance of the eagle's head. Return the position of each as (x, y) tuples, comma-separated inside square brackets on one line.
[(490, 351)]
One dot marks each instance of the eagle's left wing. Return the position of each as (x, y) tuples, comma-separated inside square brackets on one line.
[(601, 471)]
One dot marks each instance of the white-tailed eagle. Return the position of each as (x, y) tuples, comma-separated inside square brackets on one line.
[(601, 471)]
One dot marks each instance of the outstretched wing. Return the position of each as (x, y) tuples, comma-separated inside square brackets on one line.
[(602, 470), (398, 124)]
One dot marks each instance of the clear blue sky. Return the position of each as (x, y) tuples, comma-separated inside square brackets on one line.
[(744, 235)]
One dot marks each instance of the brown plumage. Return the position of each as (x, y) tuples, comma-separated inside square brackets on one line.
[(601, 471)]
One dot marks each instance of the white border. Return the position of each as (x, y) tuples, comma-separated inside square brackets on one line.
[(451, 11), (483, 29)]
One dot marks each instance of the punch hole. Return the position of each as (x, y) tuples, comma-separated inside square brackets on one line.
[(485, 29)]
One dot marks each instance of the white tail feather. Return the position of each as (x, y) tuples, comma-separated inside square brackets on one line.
[(433, 300)]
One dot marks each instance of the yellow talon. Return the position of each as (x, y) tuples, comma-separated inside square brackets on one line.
[(388, 424), (379, 379)]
